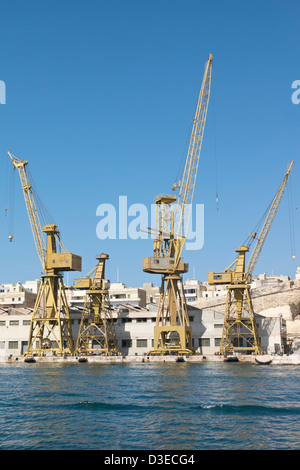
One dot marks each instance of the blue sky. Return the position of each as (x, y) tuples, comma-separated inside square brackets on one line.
[(100, 95)]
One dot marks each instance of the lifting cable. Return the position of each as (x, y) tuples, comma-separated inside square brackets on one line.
[(253, 233), (215, 150), (291, 218), (44, 214), (10, 200), (183, 158), (6, 188), (252, 236)]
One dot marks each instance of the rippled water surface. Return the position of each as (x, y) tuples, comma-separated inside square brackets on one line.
[(149, 406)]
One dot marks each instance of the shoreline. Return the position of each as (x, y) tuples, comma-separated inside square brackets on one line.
[(265, 359)]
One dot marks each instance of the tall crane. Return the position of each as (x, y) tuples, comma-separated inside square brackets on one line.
[(50, 327), (172, 331), (96, 332), (240, 332)]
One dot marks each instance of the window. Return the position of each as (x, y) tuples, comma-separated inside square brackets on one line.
[(2, 344), (204, 342), (218, 325), (2, 322), (141, 320), (217, 341), (14, 322), (141, 343), (126, 343), (218, 315), (190, 291), (26, 322), (13, 345)]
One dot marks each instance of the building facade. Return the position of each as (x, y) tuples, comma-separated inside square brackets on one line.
[(134, 315), (18, 294), (134, 327)]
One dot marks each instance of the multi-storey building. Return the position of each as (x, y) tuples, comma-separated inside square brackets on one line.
[(134, 327), (134, 316), (18, 294)]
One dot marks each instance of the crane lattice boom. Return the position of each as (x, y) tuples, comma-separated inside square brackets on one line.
[(187, 185), (267, 224), (33, 214), (236, 271)]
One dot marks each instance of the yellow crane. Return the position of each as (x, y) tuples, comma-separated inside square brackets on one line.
[(172, 331), (50, 327), (240, 332), (96, 332)]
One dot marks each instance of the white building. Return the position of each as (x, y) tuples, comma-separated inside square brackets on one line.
[(193, 290), (134, 314), (262, 280), (118, 292), (21, 295), (134, 327), (152, 293)]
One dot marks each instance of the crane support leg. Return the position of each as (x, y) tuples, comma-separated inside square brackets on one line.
[(97, 333), (50, 327), (240, 333), (172, 332)]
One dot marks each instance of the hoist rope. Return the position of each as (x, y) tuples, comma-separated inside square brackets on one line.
[(11, 203), (291, 219), (215, 151), (44, 213)]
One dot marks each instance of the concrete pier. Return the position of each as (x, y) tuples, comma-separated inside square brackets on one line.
[(293, 359)]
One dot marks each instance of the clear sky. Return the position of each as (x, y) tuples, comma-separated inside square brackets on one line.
[(100, 95)]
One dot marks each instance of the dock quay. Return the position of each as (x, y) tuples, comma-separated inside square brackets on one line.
[(265, 359)]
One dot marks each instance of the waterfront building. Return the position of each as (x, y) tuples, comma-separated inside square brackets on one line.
[(118, 292), (19, 294), (134, 327), (277, 300)]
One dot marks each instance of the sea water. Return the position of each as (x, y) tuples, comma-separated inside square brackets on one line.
[(150, 406)]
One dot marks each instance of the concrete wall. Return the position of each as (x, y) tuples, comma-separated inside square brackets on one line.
[(134, 328)]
